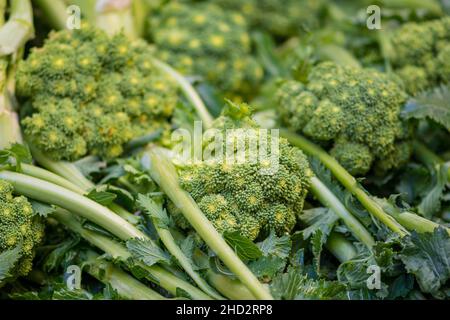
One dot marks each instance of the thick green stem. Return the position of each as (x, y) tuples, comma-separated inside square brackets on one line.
[(18, 29), (116, 17), (340, 247), (64, 169), (43, 174), (69, 173), (9, 125), (414, 222), (328, 199), (13, 35), (54, 11), (231, 288), (346, 179), (126, 286), (164, 174), (117, 251), (169, 242), (426, 156), (189, 92), (51, 193)]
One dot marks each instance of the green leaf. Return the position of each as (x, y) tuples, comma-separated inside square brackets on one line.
[(354, 273), (318, 239), (15, 156), (89, 165), (56, 257), (427, 256), (181, 293), (431, 203), (66, 294), (147, 252), (276, 246), (433, 104), (243, 247), (155, 211), (295, 285), (42, 209), (414, 182), (265, 51), (8, 260), (316, 219), (187, 246), (104, 198), (267, 267)]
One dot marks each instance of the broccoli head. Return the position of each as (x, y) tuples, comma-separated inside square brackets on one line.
[(203, 39), (91, 94), (247, 196), (280, 19), (19, 226), (353, 111), (422, 54)]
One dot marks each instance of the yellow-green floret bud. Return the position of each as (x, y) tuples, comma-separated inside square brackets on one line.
[(19, 226), (202, 39), (91, 94), (422, 54), (250, 195), (355, 112)]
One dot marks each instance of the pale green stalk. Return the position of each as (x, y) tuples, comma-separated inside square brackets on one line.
[(117, 251), (126, 286), (231, 288), (340, 247), (347, 180), (426, 156), (47, 192), (164, 174), (54, 12), (328, 199), (169, 242)]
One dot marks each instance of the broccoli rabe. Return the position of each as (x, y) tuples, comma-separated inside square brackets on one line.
[(202, 39), (422, 54), (244, 197), (91, 94), (353, 111), (19, 226), (282, 20)]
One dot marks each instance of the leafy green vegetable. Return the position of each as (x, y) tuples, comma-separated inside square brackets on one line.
[(433, 104), (147, 252), (244, 247), (427, 256)]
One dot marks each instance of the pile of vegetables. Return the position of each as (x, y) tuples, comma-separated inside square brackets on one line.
[(350, 202)]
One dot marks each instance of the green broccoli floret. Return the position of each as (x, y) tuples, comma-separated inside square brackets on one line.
[(284, 19), (251, 196), (202, 39), (91, 94), (422, 54), (19, 226), (354, 111)]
